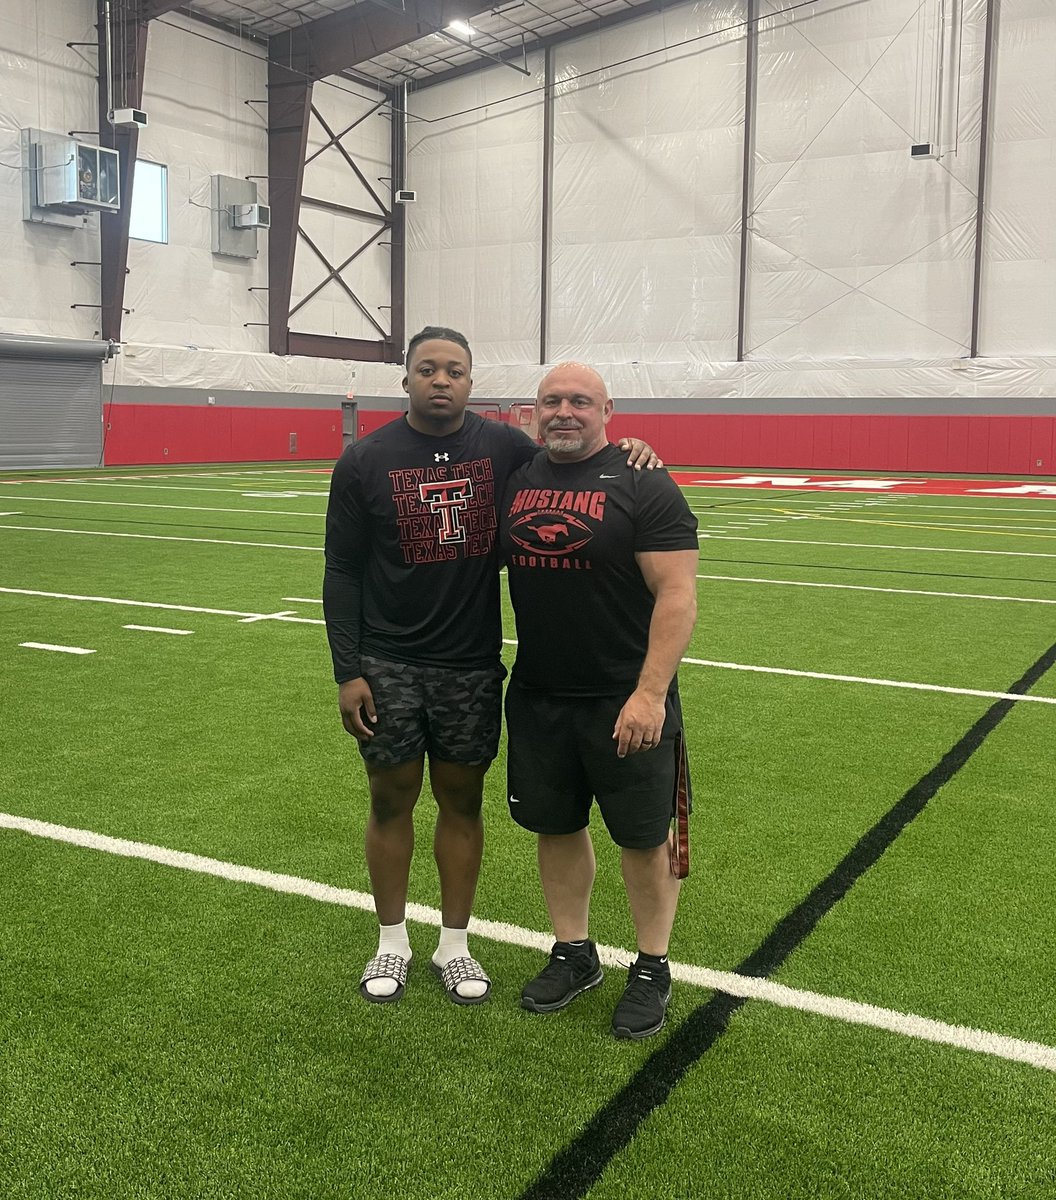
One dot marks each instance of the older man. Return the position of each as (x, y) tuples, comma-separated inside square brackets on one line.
[(602, 571)]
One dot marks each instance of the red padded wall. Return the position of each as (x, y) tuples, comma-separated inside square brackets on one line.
[(968, 445), (173, 433)]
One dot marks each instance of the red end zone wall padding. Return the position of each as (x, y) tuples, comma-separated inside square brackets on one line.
[(136, 434), (962, 445)]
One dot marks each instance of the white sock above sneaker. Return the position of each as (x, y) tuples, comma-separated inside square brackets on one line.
[(454, 944), (392, 939)]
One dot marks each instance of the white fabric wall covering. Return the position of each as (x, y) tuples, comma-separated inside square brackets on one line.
[(1019, 275), (44, 84), (647, 189), (179, 366), (858, 250), (194, 93), (474, 234)]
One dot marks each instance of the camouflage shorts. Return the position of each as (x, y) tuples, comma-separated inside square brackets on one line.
[(451, 715)]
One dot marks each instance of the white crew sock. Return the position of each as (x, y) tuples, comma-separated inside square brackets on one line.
[(392, 940), (453, 944)]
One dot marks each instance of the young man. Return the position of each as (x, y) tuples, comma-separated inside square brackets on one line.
[(602, 572), (411, 601)]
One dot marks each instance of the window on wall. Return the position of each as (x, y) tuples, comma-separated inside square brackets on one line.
[(149, 220)]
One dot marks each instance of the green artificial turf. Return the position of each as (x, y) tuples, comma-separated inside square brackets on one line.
[(168, 1035)]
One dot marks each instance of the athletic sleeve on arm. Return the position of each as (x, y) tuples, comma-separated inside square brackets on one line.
[(346, 551), (665, 521)]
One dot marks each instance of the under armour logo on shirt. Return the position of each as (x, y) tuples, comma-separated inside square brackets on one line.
[(441, 457)]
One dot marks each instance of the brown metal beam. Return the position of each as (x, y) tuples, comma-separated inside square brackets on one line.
[(149, 9), (532, 44), (343, 39), (289, 110), (314, 345), (122, 59), (398, 228)]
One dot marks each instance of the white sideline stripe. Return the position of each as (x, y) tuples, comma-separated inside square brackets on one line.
[(698, 662), (190, 608), (984, 507), (723, 537), (59, 649), (159, 537), (301, 600), (250, 512), (158, 629), (861, 587), (169, 487), (1035, 1054), (891, 683)]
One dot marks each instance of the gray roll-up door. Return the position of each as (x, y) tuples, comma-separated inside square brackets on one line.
[(51, 402)]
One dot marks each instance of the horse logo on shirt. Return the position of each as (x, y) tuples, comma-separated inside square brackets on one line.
[(550, 533)]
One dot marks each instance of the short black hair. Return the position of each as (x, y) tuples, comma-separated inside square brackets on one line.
[(438, 333)]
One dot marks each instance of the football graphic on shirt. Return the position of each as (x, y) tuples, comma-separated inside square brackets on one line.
[(550, 532)]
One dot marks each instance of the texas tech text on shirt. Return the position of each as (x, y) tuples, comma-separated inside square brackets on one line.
[(445, 512)]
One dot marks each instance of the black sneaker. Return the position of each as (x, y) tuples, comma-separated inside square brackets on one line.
[(642, 1007), (571, 970)]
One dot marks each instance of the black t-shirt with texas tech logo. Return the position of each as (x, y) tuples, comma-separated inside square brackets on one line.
[(569, 533), (411, 556)]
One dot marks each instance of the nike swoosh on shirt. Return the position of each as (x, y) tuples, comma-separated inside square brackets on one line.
[(608, 476)]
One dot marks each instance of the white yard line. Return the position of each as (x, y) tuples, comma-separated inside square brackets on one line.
[(301, 600), (250, 512), (1036, 1054), (861, 587), (58, 649), (958, 525), (158, 629), (722, 537), (890, 683), (247, 618), (159, 537), (161, 487), (189, 608), (987, 507)]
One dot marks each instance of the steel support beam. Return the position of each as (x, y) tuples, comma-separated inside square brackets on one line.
[(341, 40), (289, 110), (751, 69), (149, 9), (398, 228), (984, 155), (547, 206), (122, 59), (315, 345)]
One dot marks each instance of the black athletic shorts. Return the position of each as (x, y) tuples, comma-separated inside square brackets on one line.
[(451, 715), (561, 756)]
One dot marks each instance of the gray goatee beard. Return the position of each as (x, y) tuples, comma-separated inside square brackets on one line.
[(560, 445)]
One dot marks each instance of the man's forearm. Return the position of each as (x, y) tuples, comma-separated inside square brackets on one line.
[(671, 627)]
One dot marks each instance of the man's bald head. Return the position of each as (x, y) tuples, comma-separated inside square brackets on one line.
[(573, 368)]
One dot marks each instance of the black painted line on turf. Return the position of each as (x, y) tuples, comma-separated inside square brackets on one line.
[(576, 1168)]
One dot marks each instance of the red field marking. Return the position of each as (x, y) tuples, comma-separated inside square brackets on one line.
[(863, 483)]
